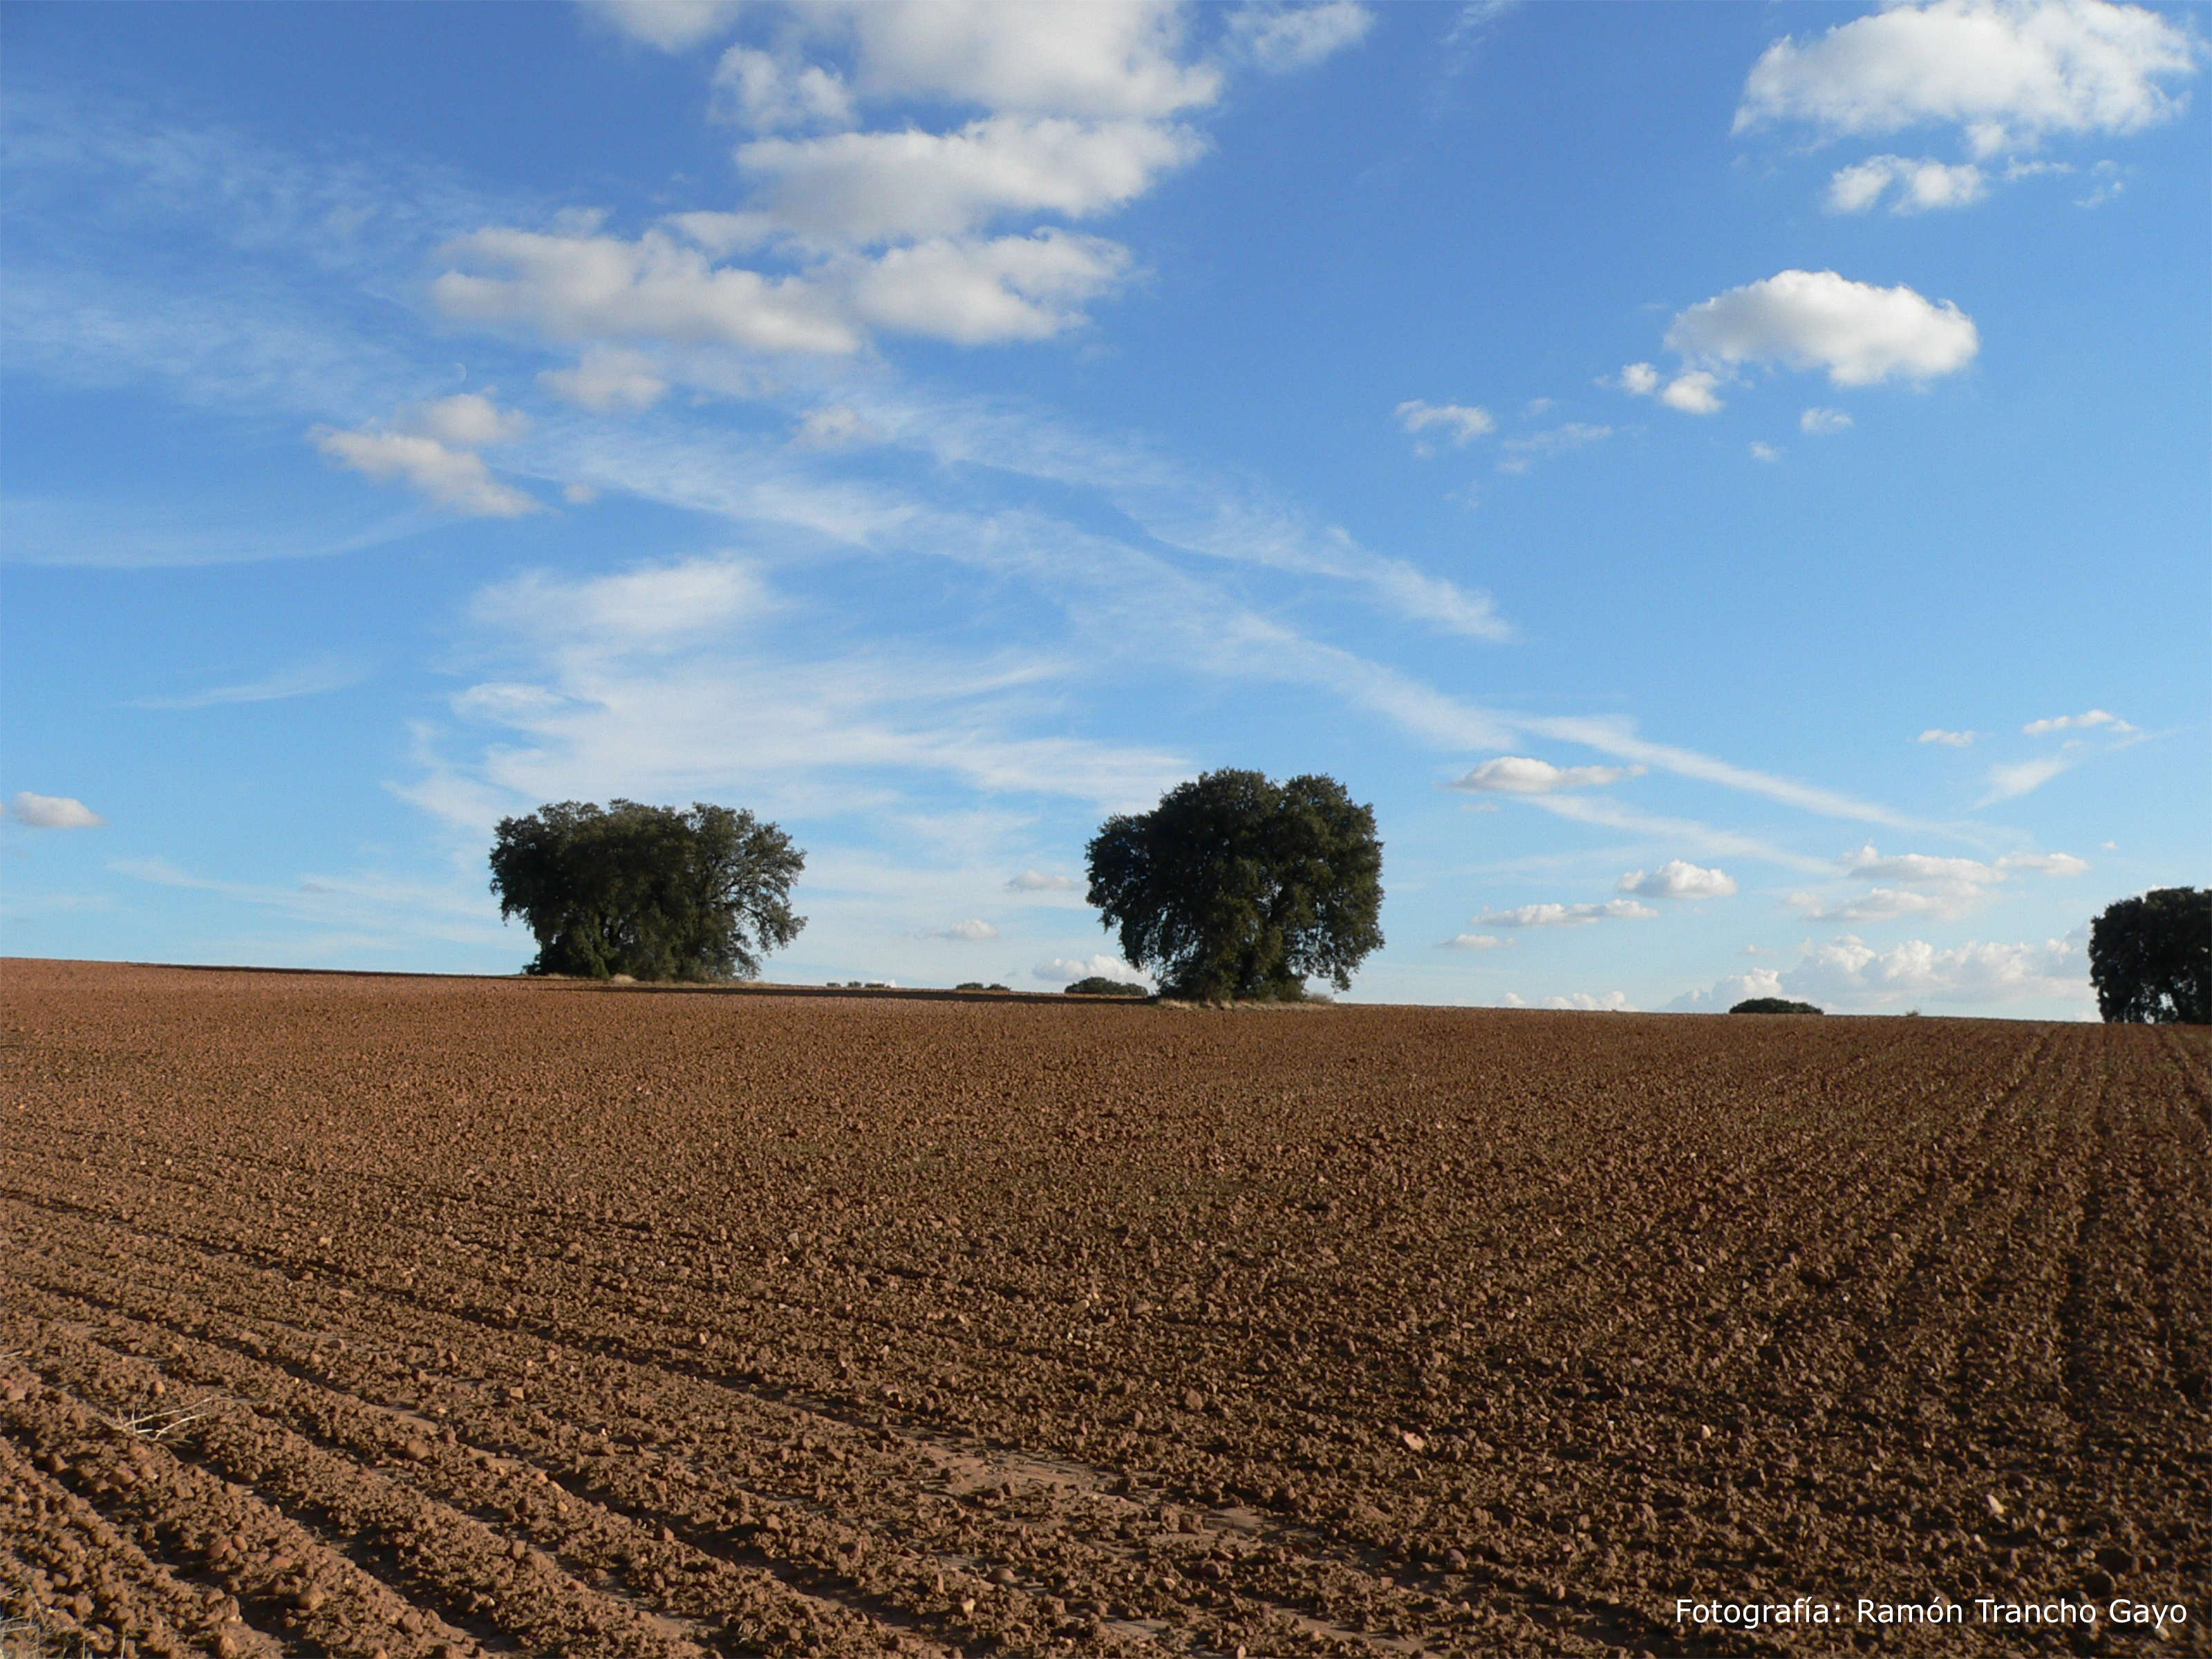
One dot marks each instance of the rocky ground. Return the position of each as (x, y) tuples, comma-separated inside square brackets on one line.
[(360, 1315)]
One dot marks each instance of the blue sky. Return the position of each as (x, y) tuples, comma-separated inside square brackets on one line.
[(1727, 482)]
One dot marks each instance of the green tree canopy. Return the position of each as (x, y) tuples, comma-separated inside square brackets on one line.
[(2150, 959), (1773, 1005), (648, 892), (1235, 886)]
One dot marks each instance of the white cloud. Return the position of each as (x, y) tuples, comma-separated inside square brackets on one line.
[(1694, 393), (833, 426), (2095, 717), (1063, 970), (2018, 778), (1848, 974), (1565, 915), (670, 25), (1462, 423), (453, 478), (1822, 422), (1868, 865), (1611, 1002), (1473, 942), (1037, 881), (1760, 452), (1558, 441), (1861, 334), (1736, 987), (1848, 971), (580, 287), (1950, 740), (608, 380), (308, 679), (1678, 878), (1017, 288), (2048, 864), (579, 495), (770, 94), (853, 189), (1521, 775), (1883, 904), (1926, 885), (1293, 37), (2007, 72), (649, 607), (53, 812), (972, 929), (468, 419), (1093, 60), (1921, 185)]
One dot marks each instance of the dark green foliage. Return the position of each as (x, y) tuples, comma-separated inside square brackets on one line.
[(2150, 959), (1236, 887), (1098, 986), (1773, 1005), (648, 892)]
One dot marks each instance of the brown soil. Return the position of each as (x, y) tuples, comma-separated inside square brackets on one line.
[(361, 1315)]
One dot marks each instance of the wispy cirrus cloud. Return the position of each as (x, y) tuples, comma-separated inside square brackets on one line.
[(306, 679)]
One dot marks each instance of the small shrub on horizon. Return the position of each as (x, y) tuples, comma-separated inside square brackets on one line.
[(1774, 1006), (1099, 985)]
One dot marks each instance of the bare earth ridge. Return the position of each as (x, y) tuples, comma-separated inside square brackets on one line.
[(356, 1315)]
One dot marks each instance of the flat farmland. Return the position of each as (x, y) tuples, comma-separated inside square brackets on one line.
[(412, 1316)]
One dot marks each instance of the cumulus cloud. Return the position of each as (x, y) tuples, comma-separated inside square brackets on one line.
[(1847, 973), (608, 380), (1760, 452), (1695, 392), (2095, 717), (1565, 915), (453, 478), (1847, 970), (1678, 878), (1860, 333), (971, 930), (1472, 942), (1611, 1002), (1015, 288), (770, 94), (53, 811), (1039, 881), (2048, 864), (580, 287), (1951, 739), (855, 189), (670, 25), (1294, 37), (889, 229), (1521, 775), (1099, 61), (469, 420), (1460, 423), (1925, 884), (1063, 970), (1823, 423), (1921, 185), (2006, 72)]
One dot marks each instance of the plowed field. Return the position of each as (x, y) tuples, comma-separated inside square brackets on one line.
[(362, 1315)]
